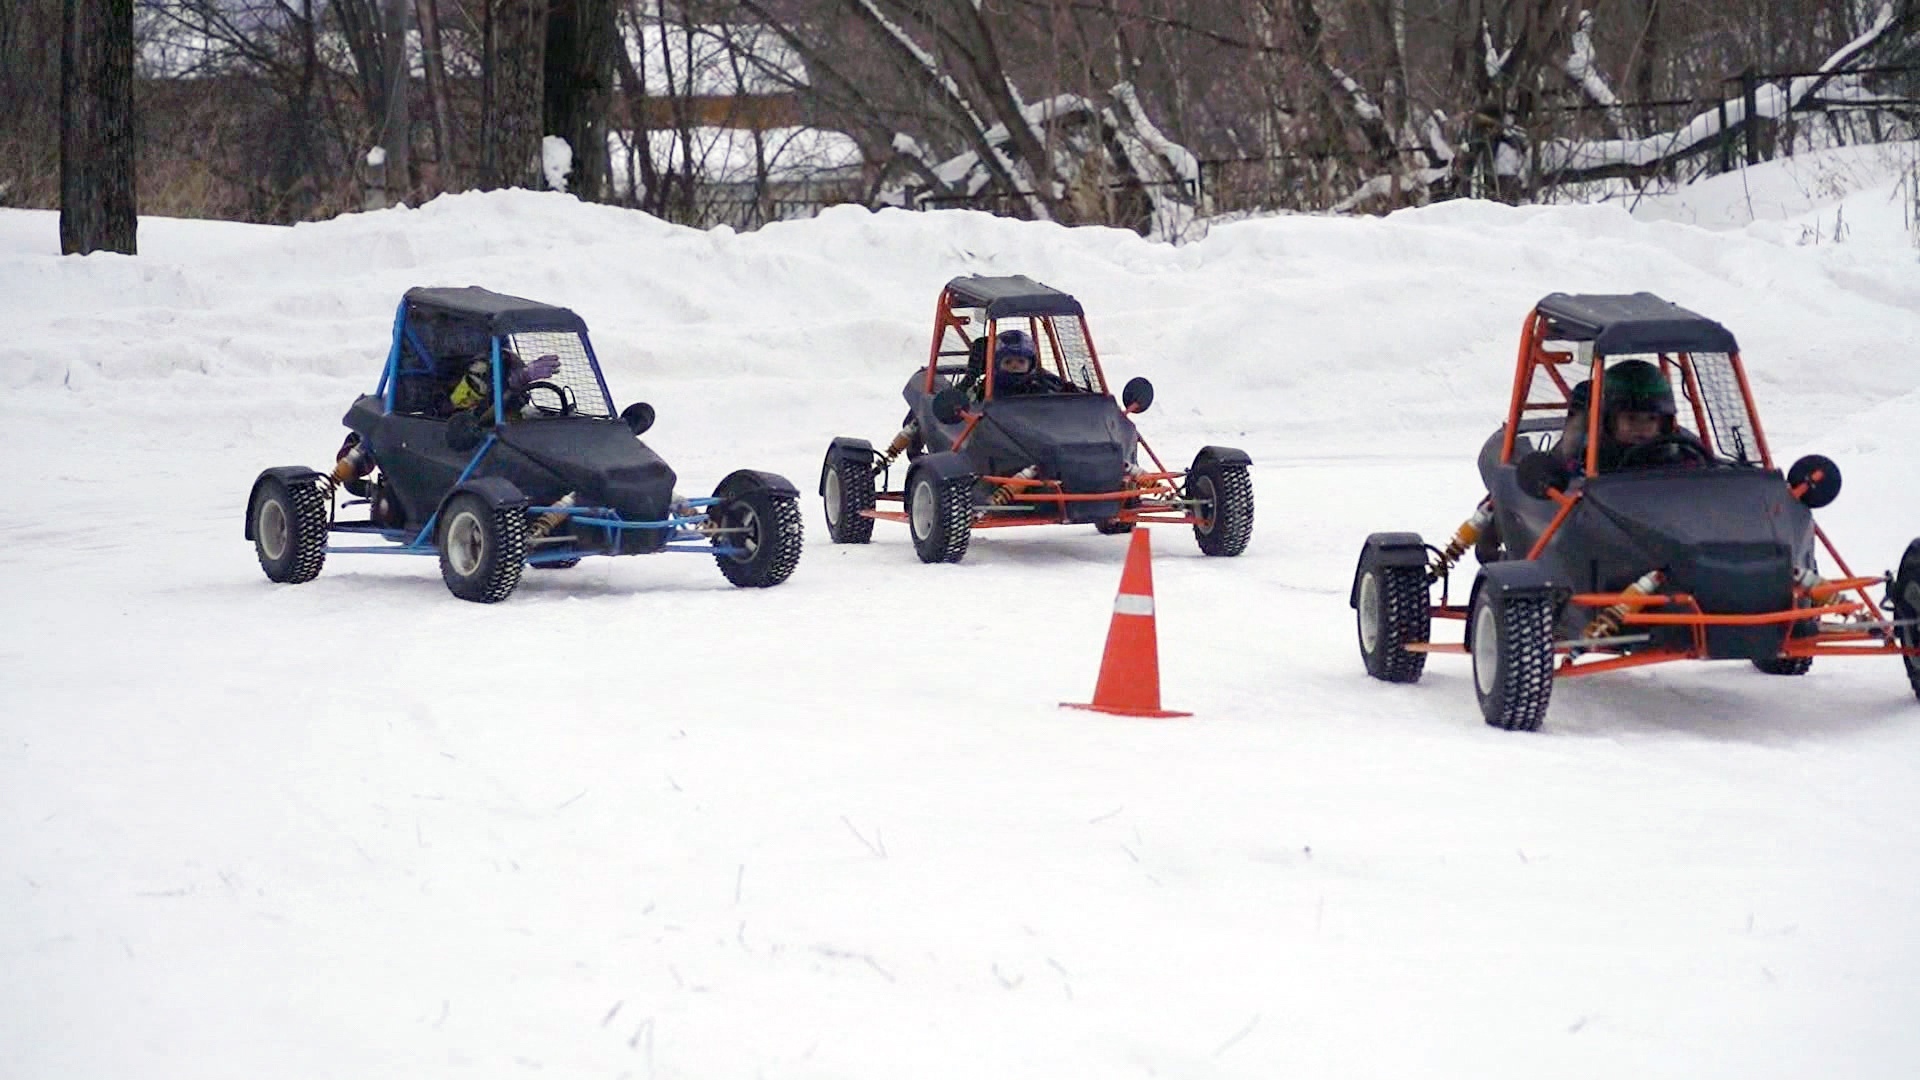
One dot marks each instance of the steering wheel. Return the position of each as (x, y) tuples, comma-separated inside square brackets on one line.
[(566, 400), (1673, 448)]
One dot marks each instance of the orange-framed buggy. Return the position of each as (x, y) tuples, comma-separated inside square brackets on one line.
[(1597, 556), (1052, 448)]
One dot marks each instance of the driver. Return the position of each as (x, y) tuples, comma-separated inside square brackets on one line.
[(474, 388), (1017, 367), (1639, 412)]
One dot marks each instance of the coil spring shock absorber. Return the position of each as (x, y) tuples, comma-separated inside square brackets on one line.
[(1463, 538), (897, 447), (551, 520), (1607, 623), (353, 463), (1004, 494)]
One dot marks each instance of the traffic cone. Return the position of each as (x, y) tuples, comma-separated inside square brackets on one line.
[(1129, 682)]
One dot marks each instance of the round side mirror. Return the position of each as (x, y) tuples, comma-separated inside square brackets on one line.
[(1541, 472), (1137, 394), (950, 405), (464, 431), (639, 417), (1817, 479)]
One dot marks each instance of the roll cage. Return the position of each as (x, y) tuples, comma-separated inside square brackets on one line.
[(1584, 333), (973, 311), (438, 332)]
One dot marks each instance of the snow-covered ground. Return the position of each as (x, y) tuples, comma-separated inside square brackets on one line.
[(636, 823)]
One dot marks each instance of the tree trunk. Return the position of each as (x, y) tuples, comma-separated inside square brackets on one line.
[(396, 129), (581, 43), (427, 13), (98, 211), (513, 68)]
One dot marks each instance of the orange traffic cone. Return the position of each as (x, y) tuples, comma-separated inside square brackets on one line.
[(1130, 669)]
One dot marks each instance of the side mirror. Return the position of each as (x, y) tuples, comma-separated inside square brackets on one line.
[(1815, 480), (639, 417), (1137, 395), (464, 431), (950, 405), (1541, 472)]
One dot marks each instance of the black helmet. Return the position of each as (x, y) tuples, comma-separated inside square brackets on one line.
[(1638, 386), (1578, 397), (1014, 343)]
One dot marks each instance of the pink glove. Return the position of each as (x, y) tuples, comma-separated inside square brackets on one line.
[(541, 369), (544, 367)]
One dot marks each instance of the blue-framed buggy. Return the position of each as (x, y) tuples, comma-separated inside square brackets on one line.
[(510, 472)]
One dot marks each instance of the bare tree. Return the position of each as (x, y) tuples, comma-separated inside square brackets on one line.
[(582, 39), (98, 210), (512, 102)]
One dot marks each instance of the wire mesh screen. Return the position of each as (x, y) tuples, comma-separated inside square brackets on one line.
[(1732, 428), (1065, 352), (576, 371)]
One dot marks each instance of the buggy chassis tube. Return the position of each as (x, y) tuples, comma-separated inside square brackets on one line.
[(684, 525)]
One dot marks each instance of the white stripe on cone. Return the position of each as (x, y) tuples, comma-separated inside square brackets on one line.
[(1133, 604)]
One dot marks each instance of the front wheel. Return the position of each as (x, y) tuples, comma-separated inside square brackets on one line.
[(289, 521), (1905, 598), (1222, 506), (940, 516), (759, 538), (1783, 665), (1391, 612), (483, 548), (1511, 639), (849, 490)]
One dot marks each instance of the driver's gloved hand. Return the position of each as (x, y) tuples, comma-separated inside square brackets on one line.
[(541, 369)]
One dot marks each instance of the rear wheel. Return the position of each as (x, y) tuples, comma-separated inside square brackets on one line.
[(289, 521), (1392, 612), (763, 540), (940, 516), (483, 548), (849, 490), (1223, 504), (1905, 596), (1511, 639)]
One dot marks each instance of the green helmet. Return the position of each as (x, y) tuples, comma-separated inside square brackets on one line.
[(1638, 386)]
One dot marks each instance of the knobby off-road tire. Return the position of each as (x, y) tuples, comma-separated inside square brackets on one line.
[(482, 549), (849, 484), (1223, 497), (1511, 640), (290, 524), (765, 554), (1783, 665), (940, 516), (1391, 612), (1906, 605)]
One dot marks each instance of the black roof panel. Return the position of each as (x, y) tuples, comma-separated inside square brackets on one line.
[(1632, 323), (1008, 296), (500, 313)]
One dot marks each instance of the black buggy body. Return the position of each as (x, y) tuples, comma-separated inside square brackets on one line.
[(539, 473), (984, 452), (1597, 556)]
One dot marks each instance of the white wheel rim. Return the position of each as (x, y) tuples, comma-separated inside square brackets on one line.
[(466, 543), (746, 544), (1486, 651), (1209, 509), (922, 510), (1369, 612), (833, 497), (272, 528)]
